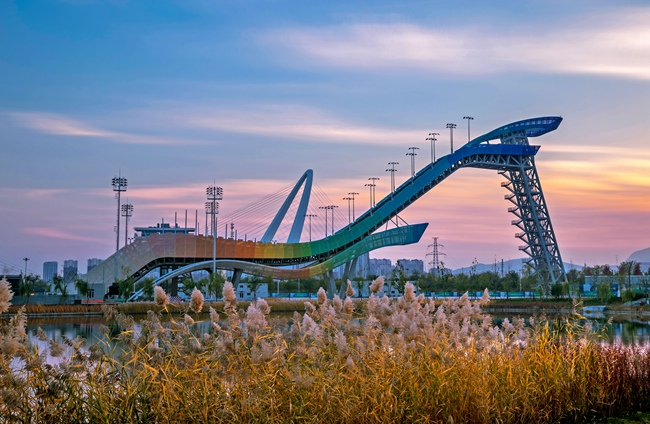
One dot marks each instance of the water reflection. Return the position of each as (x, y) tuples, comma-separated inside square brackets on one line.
[(626, 331)]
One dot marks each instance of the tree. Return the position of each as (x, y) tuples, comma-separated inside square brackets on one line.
[(27, 287), (604, 291), (83, 288), (556, 290), (216, 281), (147, 287), (61, 287), (125, 287), (398, 278)]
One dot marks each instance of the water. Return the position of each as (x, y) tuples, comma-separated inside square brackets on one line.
[(626, 331)]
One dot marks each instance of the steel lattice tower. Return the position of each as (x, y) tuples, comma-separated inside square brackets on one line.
[(533, 219)]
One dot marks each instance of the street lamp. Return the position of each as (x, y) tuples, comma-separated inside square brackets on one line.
[(127, 212), (310, 216), (119, 185), (349, 199), (451, 135), (392, 171), (25, 259), (433, 139), (469, 118), (412, 154), (353, 194), (213, 194)]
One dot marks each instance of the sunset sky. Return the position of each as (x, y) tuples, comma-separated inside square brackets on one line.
[(250, 94)]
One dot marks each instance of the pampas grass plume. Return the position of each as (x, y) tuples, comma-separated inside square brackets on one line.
[(160, 296), (196, 301)]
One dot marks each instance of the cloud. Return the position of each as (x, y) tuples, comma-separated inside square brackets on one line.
[(56, 124), (615, 45), (57, 234), (297, 122)]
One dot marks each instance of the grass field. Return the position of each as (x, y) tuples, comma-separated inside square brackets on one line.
[(386, 360)]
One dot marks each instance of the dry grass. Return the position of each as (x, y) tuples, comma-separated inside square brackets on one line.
[(406, 360)]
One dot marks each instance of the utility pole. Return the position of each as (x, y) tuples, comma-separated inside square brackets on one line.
[(451, 135), (432, 138), (469, 118)]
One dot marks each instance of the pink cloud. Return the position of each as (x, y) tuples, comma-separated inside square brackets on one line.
[(57, 234)]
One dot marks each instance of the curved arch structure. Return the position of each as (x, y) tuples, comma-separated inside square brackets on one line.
[(512, 156), (299, 221)]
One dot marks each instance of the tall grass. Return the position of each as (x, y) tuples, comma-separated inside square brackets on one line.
[(403, 360)]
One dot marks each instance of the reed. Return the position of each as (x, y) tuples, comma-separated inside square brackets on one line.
[(402, 360)]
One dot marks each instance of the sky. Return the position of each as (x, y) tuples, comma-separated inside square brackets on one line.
[(179, 95)]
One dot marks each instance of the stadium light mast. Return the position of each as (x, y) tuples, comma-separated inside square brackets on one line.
[(469, 118), (119, 185), (349, 199), (326, 209), (353, 194), (127, 212), (213, 194), (432, 138), (310, 216), (392, 171), (332, 207), (451, 135), (373, 188), (412, 154)]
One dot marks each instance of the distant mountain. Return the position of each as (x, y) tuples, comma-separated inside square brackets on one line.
[(511, 265), (642, 256)]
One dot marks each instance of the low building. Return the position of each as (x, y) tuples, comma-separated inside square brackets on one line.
[(245, 291)]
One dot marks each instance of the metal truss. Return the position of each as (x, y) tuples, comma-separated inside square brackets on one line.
[(533, 219), (525, 193)]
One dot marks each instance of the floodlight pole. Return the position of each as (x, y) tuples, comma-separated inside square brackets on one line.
[(374, 190), (326, 209), (433, 139), (349, 199), (412, 154), (332, 207), (469, 118), (213, 194), (310, 216), (451, 135), (392, 171), (119, 185), (127, 212), (353, 194)]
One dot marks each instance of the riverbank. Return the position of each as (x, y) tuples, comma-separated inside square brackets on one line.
[(523, 307)]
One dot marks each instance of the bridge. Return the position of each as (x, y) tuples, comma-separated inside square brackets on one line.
[(505, 149)]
